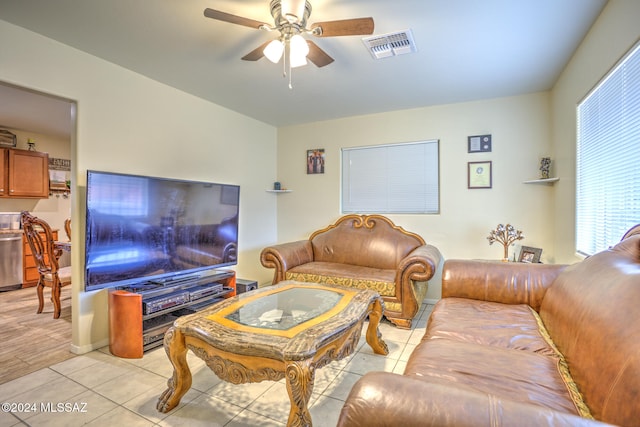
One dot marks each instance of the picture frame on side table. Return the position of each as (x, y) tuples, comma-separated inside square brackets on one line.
[(479, 175), (530, 255)]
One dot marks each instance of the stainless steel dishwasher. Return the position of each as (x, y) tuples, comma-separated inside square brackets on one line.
[(10, 260)]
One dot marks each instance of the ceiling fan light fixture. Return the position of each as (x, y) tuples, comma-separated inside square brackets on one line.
[(274, 51), (298, 51), (297, 61), (299, 46), (292, 8)]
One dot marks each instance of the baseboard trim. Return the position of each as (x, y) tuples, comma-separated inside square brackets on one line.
[(89, 347)]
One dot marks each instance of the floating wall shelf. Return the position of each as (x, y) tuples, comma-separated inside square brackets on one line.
[(550, 181), (279, 191)]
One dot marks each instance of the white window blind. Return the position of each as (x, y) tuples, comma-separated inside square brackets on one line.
[(608, 158), (394, 178)]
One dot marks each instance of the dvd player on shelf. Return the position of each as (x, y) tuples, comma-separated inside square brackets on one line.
[(155, 328), (162, 302), (203, 291)]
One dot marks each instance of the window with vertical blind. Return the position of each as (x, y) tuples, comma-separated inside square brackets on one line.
[(393, 178), (608, 158)]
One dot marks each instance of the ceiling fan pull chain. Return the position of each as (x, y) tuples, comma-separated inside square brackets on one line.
[(286, 61), (284, 65), (290, 86)]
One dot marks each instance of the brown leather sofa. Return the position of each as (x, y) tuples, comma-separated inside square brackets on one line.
[(520, 344), (366, 252)]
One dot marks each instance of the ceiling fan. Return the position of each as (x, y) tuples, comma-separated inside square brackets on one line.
[(290, 20)]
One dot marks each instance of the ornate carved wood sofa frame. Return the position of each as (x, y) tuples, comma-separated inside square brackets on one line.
[(365, 252)]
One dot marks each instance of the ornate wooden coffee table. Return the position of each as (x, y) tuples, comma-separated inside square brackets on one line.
[(287, 330)]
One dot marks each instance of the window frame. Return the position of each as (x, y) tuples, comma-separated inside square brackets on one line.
[(375, 185), (607, 123)]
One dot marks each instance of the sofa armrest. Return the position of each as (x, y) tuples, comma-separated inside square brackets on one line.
[(383, 399), (421, 263), (505, 282), (285, 256)]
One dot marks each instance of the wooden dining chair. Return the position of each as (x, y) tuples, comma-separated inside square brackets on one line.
[(67, 227), (45, 254)]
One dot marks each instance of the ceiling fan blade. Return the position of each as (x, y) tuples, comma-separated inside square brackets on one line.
[(345, 27), (318, 56), (233, 19), (256, 53)]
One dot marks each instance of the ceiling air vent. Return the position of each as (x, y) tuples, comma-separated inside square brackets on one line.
[(384, 45)]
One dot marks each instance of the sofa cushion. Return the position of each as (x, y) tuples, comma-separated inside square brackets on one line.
[(516, 375), (502, 349), (514, 326), (377, 279)]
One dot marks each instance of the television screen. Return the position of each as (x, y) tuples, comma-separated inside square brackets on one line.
[(141, 227)]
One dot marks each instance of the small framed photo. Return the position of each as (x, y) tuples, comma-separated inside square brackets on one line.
[(479, 144), (479, 175), (315, 161), (530, 255)]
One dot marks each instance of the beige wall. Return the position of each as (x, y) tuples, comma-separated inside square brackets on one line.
[(129, 123), (521, 136), (614, 33)]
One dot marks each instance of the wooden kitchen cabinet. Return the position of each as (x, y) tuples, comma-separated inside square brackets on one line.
[(24, 174), (4, 185), (30, 271)]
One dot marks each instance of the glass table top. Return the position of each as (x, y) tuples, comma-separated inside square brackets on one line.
[(286, 309), (282, 310)]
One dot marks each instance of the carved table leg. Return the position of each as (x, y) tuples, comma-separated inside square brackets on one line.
[(373, 334), (180, 382), (300, 378)]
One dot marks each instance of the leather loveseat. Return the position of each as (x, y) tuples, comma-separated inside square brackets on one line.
[(520, 344), (208, 244), (362, 251)]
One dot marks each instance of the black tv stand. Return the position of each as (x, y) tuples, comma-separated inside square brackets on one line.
[(140, 313)]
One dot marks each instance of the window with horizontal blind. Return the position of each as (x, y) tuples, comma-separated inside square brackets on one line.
[(393, 178), (120, 195), (608, 158)]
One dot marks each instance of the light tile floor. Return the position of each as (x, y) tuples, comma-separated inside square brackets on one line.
[(98, 389)]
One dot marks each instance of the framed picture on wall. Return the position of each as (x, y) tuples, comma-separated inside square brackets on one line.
[(479, 144), (315, 161), (479, 175)]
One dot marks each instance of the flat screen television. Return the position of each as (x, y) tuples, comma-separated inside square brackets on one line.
[(142, 228)]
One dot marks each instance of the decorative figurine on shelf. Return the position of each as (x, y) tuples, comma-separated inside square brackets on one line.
[(31, 145), (507, 235), (545, 164)]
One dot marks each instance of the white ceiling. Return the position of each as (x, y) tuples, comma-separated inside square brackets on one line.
[(467, 50)]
